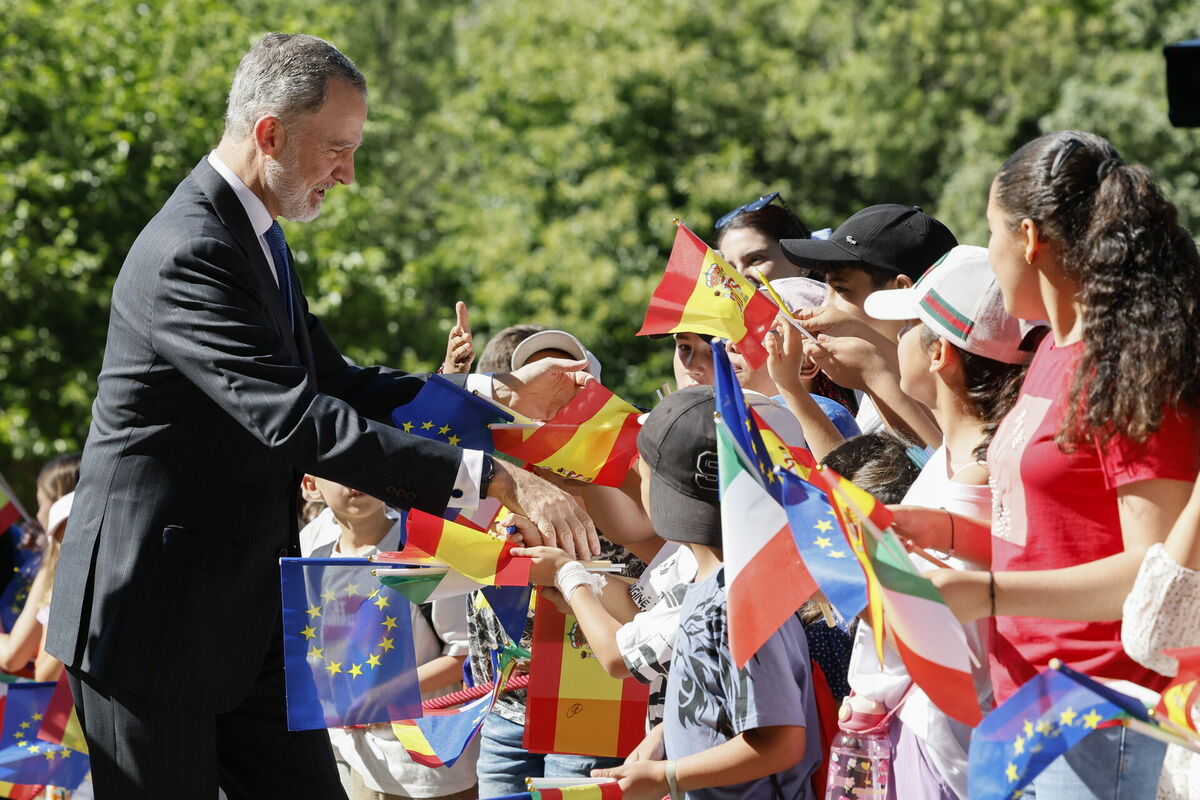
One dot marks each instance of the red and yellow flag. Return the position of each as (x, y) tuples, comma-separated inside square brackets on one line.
[(574, 706), (9, 515), (1178, 701), (592, 439), (478, 555), (701, 293)]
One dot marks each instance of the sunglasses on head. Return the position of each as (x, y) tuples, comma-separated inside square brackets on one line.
[(761, 202)]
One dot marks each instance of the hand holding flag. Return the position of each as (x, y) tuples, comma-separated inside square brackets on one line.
[(541, 388)]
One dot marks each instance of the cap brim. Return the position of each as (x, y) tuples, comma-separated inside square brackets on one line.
[(547, 340), (820, 251), (59, 511), (893, 304), (678, 517)]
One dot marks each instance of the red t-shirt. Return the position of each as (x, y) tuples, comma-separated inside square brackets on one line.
[(1052, 509)]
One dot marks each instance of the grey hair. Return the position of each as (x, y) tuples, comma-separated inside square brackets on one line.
[(285, 75)]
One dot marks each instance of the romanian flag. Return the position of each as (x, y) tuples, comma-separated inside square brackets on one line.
[(701, 293), (765, 578), (1178, 702), (347, 645), (440, 737), (573, 705), (61, 724), (427, 584), (479, 556), (25, 759), (592, 439)]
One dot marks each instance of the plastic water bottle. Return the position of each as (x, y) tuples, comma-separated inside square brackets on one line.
[(860, 758)]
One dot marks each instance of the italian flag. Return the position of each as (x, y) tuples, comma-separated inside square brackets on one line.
[(593, 438), (701, 293), (765, 578)]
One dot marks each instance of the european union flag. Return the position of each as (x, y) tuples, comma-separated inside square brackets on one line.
[(26, 759), (27, 564), (446, 412), (826, 553), (347, 645), (1045, 718)]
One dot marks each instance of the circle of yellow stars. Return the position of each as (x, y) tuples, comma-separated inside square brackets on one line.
[(36, 746), (826, 542), (428, 425), (1047, 728), (386, 644)]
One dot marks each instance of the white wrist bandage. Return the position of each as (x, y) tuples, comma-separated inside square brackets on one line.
[(573, 574)]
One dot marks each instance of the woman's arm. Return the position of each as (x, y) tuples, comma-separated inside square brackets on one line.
[(748, 756), (439, 673), (937, 529), (1183, 542), (1091, 592)]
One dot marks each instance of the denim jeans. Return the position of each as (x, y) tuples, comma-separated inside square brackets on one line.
[(504, 764), (1110, 764)]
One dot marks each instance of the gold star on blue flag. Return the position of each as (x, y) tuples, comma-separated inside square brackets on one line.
[(446, 412), (1046, 717), (30, 761), (351, 662)]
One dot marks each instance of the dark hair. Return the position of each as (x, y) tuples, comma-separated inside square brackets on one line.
[(774, 222), (1138, 273), (877, 463), (991, 386), (497, 355), (878, 275)]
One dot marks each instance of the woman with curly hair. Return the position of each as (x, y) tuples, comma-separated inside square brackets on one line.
[(1097, 458)]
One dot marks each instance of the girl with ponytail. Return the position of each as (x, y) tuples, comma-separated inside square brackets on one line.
[(1096, 459)]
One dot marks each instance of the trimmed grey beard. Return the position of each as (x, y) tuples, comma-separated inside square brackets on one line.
[(283, 178)]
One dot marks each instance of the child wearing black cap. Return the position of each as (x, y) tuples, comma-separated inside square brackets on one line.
[(727, 732)]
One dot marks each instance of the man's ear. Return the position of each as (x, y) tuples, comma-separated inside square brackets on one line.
[(943, 357), (309, 491), (270, 135), (903, 282)]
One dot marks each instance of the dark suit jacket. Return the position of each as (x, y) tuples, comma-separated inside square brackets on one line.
[(208, 410)]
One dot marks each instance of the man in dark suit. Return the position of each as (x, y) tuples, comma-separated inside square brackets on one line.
[(218, 390)]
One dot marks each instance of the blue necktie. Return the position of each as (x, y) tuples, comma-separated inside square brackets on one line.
[(283, 267)]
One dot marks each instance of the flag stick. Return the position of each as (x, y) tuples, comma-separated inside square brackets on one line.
[(925, 554), (779, 302), (1175, 727), (513, 426), (1146, 729), (12, 496)]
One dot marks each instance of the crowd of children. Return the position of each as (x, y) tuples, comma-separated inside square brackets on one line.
[(1028, 409)]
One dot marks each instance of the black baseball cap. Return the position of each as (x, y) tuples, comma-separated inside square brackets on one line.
[(892, 237), (678, 442)]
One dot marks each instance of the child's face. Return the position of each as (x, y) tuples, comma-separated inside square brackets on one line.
[(849, 288), (916, 380), (693, 361), (744, 248), (346, 503), (43, 513)]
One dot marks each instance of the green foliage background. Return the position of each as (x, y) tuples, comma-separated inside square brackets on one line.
[(528, 156)]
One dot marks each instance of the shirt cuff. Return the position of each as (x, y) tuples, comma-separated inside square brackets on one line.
[(466, 486), (480, 384)]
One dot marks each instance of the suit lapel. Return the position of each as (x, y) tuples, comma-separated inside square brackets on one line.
[(233, 216)]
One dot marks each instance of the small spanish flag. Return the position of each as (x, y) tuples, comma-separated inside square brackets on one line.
[(701, 293), (1178, 701), (480, 556), (592, 439), (573, 705)]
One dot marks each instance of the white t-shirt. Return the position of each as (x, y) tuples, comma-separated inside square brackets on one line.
[(647, 641), (374, 753), (868, 417), (946, 740)]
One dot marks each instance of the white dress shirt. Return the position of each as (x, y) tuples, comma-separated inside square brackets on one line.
[(470, 470)]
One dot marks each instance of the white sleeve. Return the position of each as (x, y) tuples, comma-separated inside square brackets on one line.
[(470, 470), (1160, 611), (450, 625)]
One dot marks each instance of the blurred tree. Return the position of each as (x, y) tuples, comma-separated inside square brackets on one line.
[(528, 156)]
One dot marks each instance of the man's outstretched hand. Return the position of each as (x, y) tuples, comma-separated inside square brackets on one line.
[(560, 520), (539, 390)]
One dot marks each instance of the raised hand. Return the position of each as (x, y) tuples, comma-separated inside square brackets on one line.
[(460, 353)]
